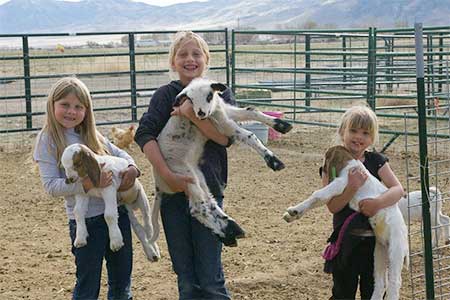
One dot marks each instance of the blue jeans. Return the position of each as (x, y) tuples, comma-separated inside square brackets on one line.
[(89, 260), (194, 250)]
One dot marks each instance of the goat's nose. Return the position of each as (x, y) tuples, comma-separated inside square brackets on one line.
[(201, 113)]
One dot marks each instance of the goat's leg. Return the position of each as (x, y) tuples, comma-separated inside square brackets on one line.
[(232, 230), (151, 253), (251, 114), (231, 129), (318, 198), (445, 223), (155, 215), (144, 206), (80, 210), (397, 250), (380, 268), (203, 208), (111, 216)]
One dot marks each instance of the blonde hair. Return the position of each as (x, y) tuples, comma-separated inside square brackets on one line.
[(181, 38), (87, 130), (357, 117)]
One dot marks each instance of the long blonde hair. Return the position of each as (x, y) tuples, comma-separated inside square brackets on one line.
[(359, 116), (182, 37), (87, 130)]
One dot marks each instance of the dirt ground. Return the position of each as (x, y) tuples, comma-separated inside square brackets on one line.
[(276, 261)]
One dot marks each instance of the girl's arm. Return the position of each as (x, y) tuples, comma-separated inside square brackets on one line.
[(356, 179), (205, 126), (370, 207), (176, 182)]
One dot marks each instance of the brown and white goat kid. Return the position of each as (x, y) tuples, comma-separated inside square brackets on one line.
[(79, 161), (391, 247), (182, 143)]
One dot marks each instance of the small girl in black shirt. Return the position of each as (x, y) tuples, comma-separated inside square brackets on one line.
[(358, 131)]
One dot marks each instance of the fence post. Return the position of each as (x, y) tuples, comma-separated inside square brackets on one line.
[(441, 58), (132, 76), (27, 81), (424, 184), (227, 56), (371, 69), (344, 60), (233, 61), (308, 70)]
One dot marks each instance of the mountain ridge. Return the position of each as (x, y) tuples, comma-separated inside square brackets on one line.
[(34, 16)]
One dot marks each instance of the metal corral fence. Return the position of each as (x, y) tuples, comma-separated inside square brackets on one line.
[(121, 69), (312, 76)]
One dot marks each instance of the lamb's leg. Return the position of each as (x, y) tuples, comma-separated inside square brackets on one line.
[(154, 218), (445, 223), (111, 216), (380, 268), (80, 210), (205, 209), (397, 251), (231, 129), (232, 230), (151, 252), (251, 114), (144, 206), (318, 198)]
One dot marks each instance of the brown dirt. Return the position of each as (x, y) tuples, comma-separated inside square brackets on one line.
[(276, 261)]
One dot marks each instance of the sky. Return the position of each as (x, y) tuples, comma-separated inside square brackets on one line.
[(152, 2)]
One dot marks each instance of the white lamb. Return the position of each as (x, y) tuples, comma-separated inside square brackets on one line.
[(182, 144), (412, 212), (391, 247)]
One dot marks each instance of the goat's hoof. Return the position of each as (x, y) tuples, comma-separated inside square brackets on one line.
[(229, 242), (282, 126), (274, 163), (78, 243), (115, 244), (288, 217), (232, 232)]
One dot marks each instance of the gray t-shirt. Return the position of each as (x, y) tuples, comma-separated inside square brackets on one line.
[(53, 177)]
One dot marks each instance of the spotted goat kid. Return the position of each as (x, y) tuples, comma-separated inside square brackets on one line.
[(182, 145)]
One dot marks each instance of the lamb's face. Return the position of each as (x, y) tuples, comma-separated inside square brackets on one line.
[(78, 162), (336, 157), (204, 96)]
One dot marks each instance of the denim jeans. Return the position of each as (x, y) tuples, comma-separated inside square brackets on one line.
[(89, 260), (194, 250)]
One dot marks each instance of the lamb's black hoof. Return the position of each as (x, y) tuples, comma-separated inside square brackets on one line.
[(274, 163), (282, 126), (232, 232)]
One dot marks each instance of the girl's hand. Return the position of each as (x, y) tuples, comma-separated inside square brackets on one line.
[(128, 178), (179, 183), (356, 178), (185, 110), (369, 207)]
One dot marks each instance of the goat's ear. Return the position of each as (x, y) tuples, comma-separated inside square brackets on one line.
[(91, 166), (180, 98), (219, 87)]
